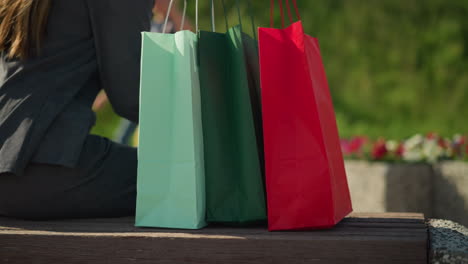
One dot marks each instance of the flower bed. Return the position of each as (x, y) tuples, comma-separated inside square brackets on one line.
[(438, 190), (430, 148), (427, 174)]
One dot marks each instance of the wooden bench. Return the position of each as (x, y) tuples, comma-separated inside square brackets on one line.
[(360, 238)]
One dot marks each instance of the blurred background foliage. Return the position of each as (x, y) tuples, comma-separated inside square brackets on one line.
[(395, 67)]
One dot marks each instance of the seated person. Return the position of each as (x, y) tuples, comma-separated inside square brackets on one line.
[(56, 55)]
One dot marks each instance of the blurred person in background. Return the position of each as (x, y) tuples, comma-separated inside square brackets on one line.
[(55, 57)]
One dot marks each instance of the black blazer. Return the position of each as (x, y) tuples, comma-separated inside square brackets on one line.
[(45, 102)]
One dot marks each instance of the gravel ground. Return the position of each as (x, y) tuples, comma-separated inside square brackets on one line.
[(449, 242)]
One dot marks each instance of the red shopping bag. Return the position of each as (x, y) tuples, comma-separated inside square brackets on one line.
[(305, 176)]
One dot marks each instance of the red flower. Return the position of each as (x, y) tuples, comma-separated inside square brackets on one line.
[(400, 150), (466, 150), (379, 149), (432, 135), (462, 140), (457, 150), (442, 143)]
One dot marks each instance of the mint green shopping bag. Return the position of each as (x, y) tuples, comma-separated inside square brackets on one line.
[(170, 183)]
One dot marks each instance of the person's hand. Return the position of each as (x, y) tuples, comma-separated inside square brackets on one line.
[(162, 6), (100, 101), (175, 15)]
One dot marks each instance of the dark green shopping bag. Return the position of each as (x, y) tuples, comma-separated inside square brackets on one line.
[(233, 170), (253, 77)]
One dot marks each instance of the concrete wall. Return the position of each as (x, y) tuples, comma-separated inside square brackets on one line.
[(451, 191), (439, 191)]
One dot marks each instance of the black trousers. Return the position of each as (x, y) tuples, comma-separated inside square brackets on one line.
[(102, 185)]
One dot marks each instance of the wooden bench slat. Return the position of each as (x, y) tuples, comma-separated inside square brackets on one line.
[(360, 238)]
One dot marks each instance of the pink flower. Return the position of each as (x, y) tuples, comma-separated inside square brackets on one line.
[(345, 146), (353, 146), (356, 144), (379, 150)]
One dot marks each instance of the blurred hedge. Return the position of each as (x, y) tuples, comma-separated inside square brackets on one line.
[(395, 67)]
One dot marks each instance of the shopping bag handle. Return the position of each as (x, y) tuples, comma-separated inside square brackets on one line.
[(288, 6), (240, 17), (252, 21), (196, 16), (225, 14), (213, 27), (182, 23)]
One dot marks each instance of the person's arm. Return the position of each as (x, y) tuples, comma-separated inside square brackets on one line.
[(175, 15), (117, 27)]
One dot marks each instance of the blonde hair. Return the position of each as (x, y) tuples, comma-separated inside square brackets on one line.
[(22, 26)]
